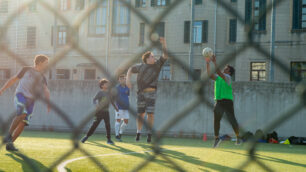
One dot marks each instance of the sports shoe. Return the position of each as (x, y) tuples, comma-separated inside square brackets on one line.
[(84, 139), (217, 142), (118, 138), (10, 147), (109, 141), (238, 141), (137, 137), (149, 138)]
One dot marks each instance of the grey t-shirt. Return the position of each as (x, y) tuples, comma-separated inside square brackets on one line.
[(30, 81), (103, 98), (148, 73)]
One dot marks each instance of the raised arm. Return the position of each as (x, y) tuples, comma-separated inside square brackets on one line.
[(162, 40), (217, 69), (9, 83), (128, 78), (212, 76)]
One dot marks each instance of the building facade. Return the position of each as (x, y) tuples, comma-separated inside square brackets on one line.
[(113, 35)]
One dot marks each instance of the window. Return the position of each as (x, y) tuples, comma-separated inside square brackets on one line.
[(61, 35), (32, 6), (258, 71), (31, 37), (62, 74), (64, 5), (90, 74), (121, 19), (5, 74), (140, 3), (232, 30), (298, 71), (160, 3), (165, 72), (141, 34), (79, 4), (299, 15), (200, 31), (253, 11), (97, 19), (3, 6), (198, 2)]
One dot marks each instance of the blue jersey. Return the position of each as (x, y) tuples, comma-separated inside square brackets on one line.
[(122, 100)]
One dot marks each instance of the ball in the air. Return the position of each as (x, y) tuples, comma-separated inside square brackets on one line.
[(207, 52)]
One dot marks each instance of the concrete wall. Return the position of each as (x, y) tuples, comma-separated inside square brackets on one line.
[(256, 104)]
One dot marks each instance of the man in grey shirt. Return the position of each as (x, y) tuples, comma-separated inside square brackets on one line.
[(31, 84), (147, 76)]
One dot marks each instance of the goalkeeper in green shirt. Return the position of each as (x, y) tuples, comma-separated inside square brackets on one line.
[(223, 97)]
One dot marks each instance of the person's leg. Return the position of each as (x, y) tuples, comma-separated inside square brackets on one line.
[(94, 125), (140, 119), (117, 126), (19, 129), (107, 127), (150, 122), (123, 126), (229, 110), (218, 112), (141, 107)]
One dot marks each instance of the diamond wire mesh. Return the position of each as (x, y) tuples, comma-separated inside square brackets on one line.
[(198, 84)]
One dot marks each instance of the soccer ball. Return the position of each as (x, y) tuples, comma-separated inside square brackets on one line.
[(207, 52)]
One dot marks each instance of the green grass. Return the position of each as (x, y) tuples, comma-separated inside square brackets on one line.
[(44, 148)]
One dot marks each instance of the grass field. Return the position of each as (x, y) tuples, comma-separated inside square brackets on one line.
[(43, 148)]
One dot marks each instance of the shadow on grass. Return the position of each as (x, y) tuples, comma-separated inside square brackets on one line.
[(268, 158), (186, 142), (28, 164), (191, 160), (142, 155)]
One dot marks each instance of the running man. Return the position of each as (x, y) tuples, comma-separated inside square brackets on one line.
[(147, 76), (31, 82), (223, 98)]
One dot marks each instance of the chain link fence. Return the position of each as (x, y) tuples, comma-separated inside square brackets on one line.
[(199, 84)]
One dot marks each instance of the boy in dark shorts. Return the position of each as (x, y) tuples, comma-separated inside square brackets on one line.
[(32, 83), (147, 76), (102, 100)]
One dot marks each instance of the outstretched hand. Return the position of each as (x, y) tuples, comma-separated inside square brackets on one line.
[(213, 58)]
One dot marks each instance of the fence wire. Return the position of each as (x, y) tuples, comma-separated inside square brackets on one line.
[(184, 112)]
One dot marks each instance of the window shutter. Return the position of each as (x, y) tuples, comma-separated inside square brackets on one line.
[(233, 30), (296, 24), (262, 9), (137, 3), (167, 2), (187, 32), (248, 12), (205, 31), (153, 3)]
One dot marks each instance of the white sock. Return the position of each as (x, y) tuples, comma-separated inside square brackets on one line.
[(117, 127), (138, 131), (123, 127)]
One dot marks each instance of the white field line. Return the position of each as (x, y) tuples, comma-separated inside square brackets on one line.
[(61, 166)]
